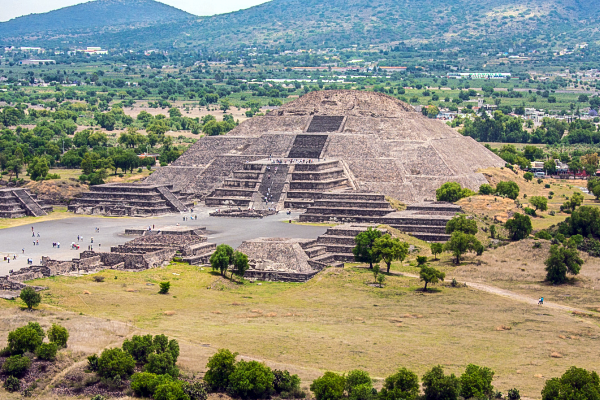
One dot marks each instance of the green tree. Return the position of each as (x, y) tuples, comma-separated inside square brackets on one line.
[(462, 224), (452, 192), (59, 335), (38, 168), (508, 188), (403, 385), (357, 378), (389, 249), (170, 391), (539, 202), (486, 189), (438, 386), (221, 258), (164, 287), (460, 243), (330, 386), (240, 263), (219, 367), (519, 226), (363, 252), (174, 112), (16, 365), (528, 176), (115, 363), (25, 339), (140, 347), (574, 384), (251, 379), (576, 200), (562, 260), (161, 364), (30, 297), (476, 382), (593, 186), (47, 351), (430, 275), (436, 248)]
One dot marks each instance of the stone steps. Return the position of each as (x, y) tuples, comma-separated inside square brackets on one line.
[(318, 185), (328, 239), (348, 211), (201, 259), (227, 201), (316, 251), (434, 229)]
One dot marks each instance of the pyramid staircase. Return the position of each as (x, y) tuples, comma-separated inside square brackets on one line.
[(19, 202)]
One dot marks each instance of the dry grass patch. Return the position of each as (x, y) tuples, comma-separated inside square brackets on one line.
[(556, 354), (169, 313), (503, 328)]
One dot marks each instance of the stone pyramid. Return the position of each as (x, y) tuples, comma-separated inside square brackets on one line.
[(356, 140)]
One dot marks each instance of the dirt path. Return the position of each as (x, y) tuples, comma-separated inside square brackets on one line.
[(506, 293)]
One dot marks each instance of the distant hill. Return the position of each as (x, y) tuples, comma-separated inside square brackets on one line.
[(440, 24), (94, 17)]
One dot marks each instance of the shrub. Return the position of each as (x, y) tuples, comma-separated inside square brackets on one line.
[(30, 297), (220, 366), (161, 364), (543, 235), (508, 188), (12, 384), (486, 189), (513, 394), (58, 335), (328, 387), (98, 397), (140, 347), (575, 383), (144, 384), (162, 344), (25, 339), (16, 365), (170, 391), (363, 392), (357, 378), (452, 192), (195, 390), (251, 379), (476, 382), (47, 351), (98, 278), (438, 386), (93, 363), (115, 363), (283, 381), (547, 186), (164, 287), (404, 384), (529, 211)]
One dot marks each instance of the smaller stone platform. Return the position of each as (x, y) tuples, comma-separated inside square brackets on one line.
[(20, 202), (242, 213), (130, 200)]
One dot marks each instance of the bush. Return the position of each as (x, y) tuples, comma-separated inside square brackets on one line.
[(356, 378), (93, 363), (529, 211), (543, 235), (404, 385), (25, 339), (283, 381), (98, 397), (486, 189), (16, 365), (98, 278), (513, 394), (575, 383), (164, 287), (161, 364), (462, 224), (30, 297), (452, 192), (47, 351), (476, 382), (12, 384), (170, 391), (328, 387), (547, 186), (140, 347), (144, 384), (251, 379), (562, 260), (115, 363), (363, 392), (58, 335), (508, 188), (438, 386), (220, 366), (195, 390)]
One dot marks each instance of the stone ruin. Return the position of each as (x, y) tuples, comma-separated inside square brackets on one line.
[(19, 202), (130, 200), (324, 142)]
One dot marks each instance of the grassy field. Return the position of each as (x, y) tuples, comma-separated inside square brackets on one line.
[(337, 321)]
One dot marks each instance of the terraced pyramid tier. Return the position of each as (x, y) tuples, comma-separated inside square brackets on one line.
[(382, 145)]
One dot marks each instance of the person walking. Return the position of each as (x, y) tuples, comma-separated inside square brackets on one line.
[(541, 301)]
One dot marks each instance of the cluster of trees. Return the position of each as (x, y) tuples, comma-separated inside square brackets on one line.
[(452, 192), (249, 379), (372, 246), (504, 188), (23, 344), (224, 257)]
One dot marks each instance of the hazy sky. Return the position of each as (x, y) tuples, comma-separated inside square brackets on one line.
[(14, 8)]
